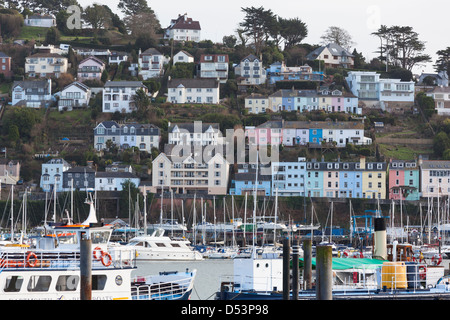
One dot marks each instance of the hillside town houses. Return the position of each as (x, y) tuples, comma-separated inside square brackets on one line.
[(189, 157)]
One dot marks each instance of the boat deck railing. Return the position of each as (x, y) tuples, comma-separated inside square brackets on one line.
[(55, 259), (160, 291)]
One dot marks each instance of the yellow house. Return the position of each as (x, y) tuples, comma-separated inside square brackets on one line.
[(373, 179)]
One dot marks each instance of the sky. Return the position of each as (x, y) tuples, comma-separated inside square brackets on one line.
[(359, 17)]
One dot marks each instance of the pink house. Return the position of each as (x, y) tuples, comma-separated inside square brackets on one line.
[(90, 68), (268, 133), (404, 180), (338, 104)]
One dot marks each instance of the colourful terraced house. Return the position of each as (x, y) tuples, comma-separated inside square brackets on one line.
[(404, 180)]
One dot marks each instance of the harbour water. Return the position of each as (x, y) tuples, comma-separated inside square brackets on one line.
[(209, 272)]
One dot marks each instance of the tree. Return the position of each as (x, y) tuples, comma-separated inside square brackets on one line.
[(13, 134), (141, 102), (293, 31), (97, 16), (402, 46), (229, 41), (52, 36), (256, 24), (443, 61), (11, 22), (339, 36), (441, 142), (359, 60), (142, 23), (132, 7)]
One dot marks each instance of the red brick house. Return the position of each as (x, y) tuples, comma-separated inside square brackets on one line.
[(5, 65)]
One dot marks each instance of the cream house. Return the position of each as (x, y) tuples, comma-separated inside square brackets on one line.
[(45, 65), (119, 95), (333, 56), (196, 171), (194, 134)]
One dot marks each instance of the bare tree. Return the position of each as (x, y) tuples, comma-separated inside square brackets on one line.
[(339, 36)]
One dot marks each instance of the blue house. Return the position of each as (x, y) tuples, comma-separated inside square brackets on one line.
[(245, 181), (315, 135)]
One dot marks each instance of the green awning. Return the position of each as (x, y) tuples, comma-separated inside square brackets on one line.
[(349, 263)]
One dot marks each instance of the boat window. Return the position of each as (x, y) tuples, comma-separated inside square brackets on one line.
[(100, 237), (176, 245), (13, 283), (67, 283), (39, 283), (137, 243), (159, 244), (67, 237), (98, 282)]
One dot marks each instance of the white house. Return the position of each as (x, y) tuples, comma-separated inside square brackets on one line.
[(183, 56), (113, 181), (118, 95), (45, 65), (441, 96), (193, 91), (32, 93), (37, 20), (74, 95), (367, 85), (143, 136), (190, 172), (183, 29), (52, 174), (117, 57), (194, 134), (151, 63), (251, 71), (214, 66)]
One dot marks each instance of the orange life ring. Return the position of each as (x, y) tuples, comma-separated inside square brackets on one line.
[(95, 253), (106, 263), (34, 260)]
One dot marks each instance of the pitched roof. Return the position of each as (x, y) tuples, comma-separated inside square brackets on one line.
[(110, 83), (31, 84), (182, 22), (190, 127), (80, 85), (151, 51), (100, 62), (334, 49), (4, 55)]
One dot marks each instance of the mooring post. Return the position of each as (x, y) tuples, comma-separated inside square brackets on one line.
[(307, 264), (295, 256), (324, 273), (286, 268), (85, 267)]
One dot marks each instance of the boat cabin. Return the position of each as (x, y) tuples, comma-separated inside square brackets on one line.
[(69, 237), (400, 252)]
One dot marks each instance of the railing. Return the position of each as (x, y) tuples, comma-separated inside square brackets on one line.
[(160, 291), (54, 259)]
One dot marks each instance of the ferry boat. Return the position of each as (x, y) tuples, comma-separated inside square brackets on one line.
[(51, 269)]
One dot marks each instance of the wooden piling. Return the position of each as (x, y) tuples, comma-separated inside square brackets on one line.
[(324, 273), (295, 257), (307, 264), (85, 268), (286, 268)]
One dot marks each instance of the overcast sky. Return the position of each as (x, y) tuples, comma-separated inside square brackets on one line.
[(359, 17)]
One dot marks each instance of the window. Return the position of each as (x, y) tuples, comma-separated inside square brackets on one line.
[(13, 284), (98, 282), (39, 283), (67, 283)]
